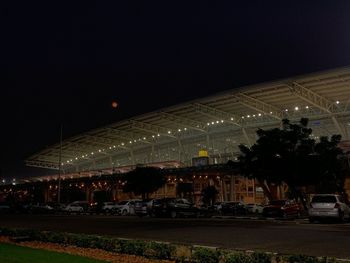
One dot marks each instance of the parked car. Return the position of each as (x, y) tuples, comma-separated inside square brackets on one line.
[(217, 206), (255, 208), (282, 208), (95, 208), (84, 204), (73, 208), (108, 207), (142, 208), (57, 208), (233, 208), (126, 207), (4, 208), (173, 207), (324, 206), (40, 209)]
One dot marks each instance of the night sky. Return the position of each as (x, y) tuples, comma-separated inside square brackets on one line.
[(66, 61)]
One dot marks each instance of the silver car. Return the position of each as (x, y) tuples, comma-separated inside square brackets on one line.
[(328, 206)]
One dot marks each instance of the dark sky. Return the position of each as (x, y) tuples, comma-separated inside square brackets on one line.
[(65, 61)]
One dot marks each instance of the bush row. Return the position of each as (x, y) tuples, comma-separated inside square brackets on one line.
[(156, 250)]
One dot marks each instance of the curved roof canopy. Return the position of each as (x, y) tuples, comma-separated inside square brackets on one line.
[(218, 123)]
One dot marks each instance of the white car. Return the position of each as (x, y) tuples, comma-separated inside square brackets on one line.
[(126, 207), (328, 206), (108, 207), (73, 208), (255, 208)]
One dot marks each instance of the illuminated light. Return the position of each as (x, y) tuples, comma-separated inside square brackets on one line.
[(92, 153), (296, 108), (286, 110), (232, 118), (169, 132), (208, 123), (130, 142), (144, 138), (306, 107), (99, 151), (222, 121), (259, 114), (67, 161), (212, 122), (185, 129), (217, 121), (242, 117), (337, 102), (123, 144), (82, 156), (158, 135), (153, 136), (179, 130), (114, 145), (110, 147), (114, 104), (253, 115), (76, 158), (135, 141), (270, 112), (248, 116)]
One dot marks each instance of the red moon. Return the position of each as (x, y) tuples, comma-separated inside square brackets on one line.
[(114, 104)]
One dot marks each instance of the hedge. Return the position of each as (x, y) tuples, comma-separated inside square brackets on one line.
[(158, 250)]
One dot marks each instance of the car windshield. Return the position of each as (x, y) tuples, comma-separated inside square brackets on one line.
[(324, 199), (278, 202), (123, 203)]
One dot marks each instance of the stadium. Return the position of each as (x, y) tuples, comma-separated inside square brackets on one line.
[(192, 140)]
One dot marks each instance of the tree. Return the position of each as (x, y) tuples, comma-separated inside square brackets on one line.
[(143, 181), (289, 155), (209, 194)]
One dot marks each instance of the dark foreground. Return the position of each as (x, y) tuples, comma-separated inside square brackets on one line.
[(275, 236)]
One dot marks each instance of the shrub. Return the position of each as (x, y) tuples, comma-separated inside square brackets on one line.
[(131, 247), (206, 255), (238, 258), (308, 259), (259, 257), (157, 250)]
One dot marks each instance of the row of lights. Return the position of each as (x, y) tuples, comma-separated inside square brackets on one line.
[(296, 108), (216, 122), (122, 144)]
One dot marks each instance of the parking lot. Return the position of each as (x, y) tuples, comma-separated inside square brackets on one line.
[(284, 236)]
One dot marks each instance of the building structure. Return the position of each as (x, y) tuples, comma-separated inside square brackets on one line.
[(171, 137)]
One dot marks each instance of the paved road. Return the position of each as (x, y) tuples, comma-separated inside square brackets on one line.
[(283, 237)]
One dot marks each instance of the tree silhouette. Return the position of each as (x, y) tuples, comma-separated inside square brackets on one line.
[(289, 155), (209, 194), (143, 181)]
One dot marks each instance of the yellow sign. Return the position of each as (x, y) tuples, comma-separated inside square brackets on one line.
[(203, 153)]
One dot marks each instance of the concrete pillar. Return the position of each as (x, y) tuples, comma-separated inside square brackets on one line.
[(232, 187), (224, 189), (88, 192), (46, 193)]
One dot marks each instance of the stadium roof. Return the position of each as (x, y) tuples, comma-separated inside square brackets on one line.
[(218, 123)]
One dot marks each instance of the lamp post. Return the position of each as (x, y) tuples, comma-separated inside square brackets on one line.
[(59, 167)]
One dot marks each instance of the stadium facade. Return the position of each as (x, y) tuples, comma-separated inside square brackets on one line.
[(171, 137)]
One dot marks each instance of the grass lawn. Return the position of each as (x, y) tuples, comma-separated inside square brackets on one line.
[(15, 254)]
